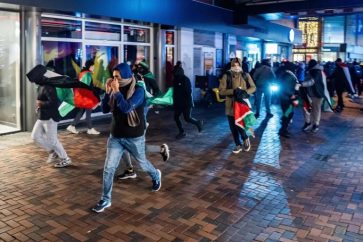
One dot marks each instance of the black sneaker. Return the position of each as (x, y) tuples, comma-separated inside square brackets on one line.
[(164, 151), (237, 149), (101, 206), (247, 144), (305, 126), (128, 173), (200, 126), (156, 183), (284, 133), (315, 128), (269, 115), (181, 135)]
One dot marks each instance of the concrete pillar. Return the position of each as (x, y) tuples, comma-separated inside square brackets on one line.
[(31, 56)]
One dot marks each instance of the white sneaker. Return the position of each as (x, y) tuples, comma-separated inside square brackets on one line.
[(63, 163), (72, 129), (92, 131), (52, 157)]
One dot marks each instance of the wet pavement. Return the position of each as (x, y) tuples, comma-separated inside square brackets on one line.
[(306, 188)]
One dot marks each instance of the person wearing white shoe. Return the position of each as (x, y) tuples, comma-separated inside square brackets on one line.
[(45, 129), (86, 77)]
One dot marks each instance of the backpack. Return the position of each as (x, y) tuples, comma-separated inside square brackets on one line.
[(229, 79)]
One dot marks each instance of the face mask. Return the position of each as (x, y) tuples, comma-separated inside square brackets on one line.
[(236, 69)]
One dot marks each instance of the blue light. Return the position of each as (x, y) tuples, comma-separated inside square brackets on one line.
[(274, 88)]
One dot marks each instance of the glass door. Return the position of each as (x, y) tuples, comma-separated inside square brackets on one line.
[(9, 72)]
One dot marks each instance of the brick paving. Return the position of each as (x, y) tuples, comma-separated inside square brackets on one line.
[(307, 188)]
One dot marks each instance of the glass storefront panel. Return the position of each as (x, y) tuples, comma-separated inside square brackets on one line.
[(136, 34), (61, 28), (9, 72), (105, 59), (64, 58), (334, 29), (360, 30), (135, 53), (102, 31), (350, 36)]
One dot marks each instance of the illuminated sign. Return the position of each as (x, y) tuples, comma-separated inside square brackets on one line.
[(311, 50), (310, 32), (291, 35), (271, 49)]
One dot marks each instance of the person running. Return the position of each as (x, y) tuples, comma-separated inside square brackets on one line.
[(86, 77), (126, 102), (183, 102), (45, 128)]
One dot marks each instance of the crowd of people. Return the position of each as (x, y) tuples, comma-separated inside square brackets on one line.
[(126, 96)]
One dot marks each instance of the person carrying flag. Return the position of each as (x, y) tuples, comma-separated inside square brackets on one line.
[(232, 79), (86, 77), (45, 128)]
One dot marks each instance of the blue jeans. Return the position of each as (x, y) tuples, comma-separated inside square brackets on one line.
[(115, 149)]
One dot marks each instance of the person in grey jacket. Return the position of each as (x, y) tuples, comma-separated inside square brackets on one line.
[(263, 76), (315, 89)]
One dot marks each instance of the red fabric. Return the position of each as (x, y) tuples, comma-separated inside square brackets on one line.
[(240, 111), (84, 98)]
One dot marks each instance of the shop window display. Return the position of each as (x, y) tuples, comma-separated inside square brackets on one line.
[(64, 58), (136, 34), (61, 28), (136, 53), (105, 59)]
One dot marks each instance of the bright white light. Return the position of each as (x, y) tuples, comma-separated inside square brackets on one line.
[(274, 88)]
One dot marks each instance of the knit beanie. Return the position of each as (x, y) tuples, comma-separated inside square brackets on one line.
[(124, 69)]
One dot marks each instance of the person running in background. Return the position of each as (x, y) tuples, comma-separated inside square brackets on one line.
[(263, 77), (288, 82), (45, 128), (182, 101), (315, 88), (86, 77)]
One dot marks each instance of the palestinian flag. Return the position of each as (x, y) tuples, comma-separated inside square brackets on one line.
[(244, 117), (164, 99), (71, 92)]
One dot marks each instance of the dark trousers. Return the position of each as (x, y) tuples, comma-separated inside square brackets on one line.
[(187, 117), (340, 97), (285, 120), (236, 131)]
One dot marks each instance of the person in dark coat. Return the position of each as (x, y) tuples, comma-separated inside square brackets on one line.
[(182, 101), (287, 96), (149, 79), (45, 128)]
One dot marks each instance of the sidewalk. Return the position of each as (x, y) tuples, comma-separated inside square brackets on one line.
[(307, 188)]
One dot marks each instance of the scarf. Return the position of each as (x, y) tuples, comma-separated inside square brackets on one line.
[(132, 117)]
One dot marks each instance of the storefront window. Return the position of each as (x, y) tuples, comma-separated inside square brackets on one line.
[(9, 72), (360, 29), (105, 59), (351, 32), (334, 29), (61, 28), (136, 34), (102, 31), (63, 57), (169, 37), (136, 53)]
